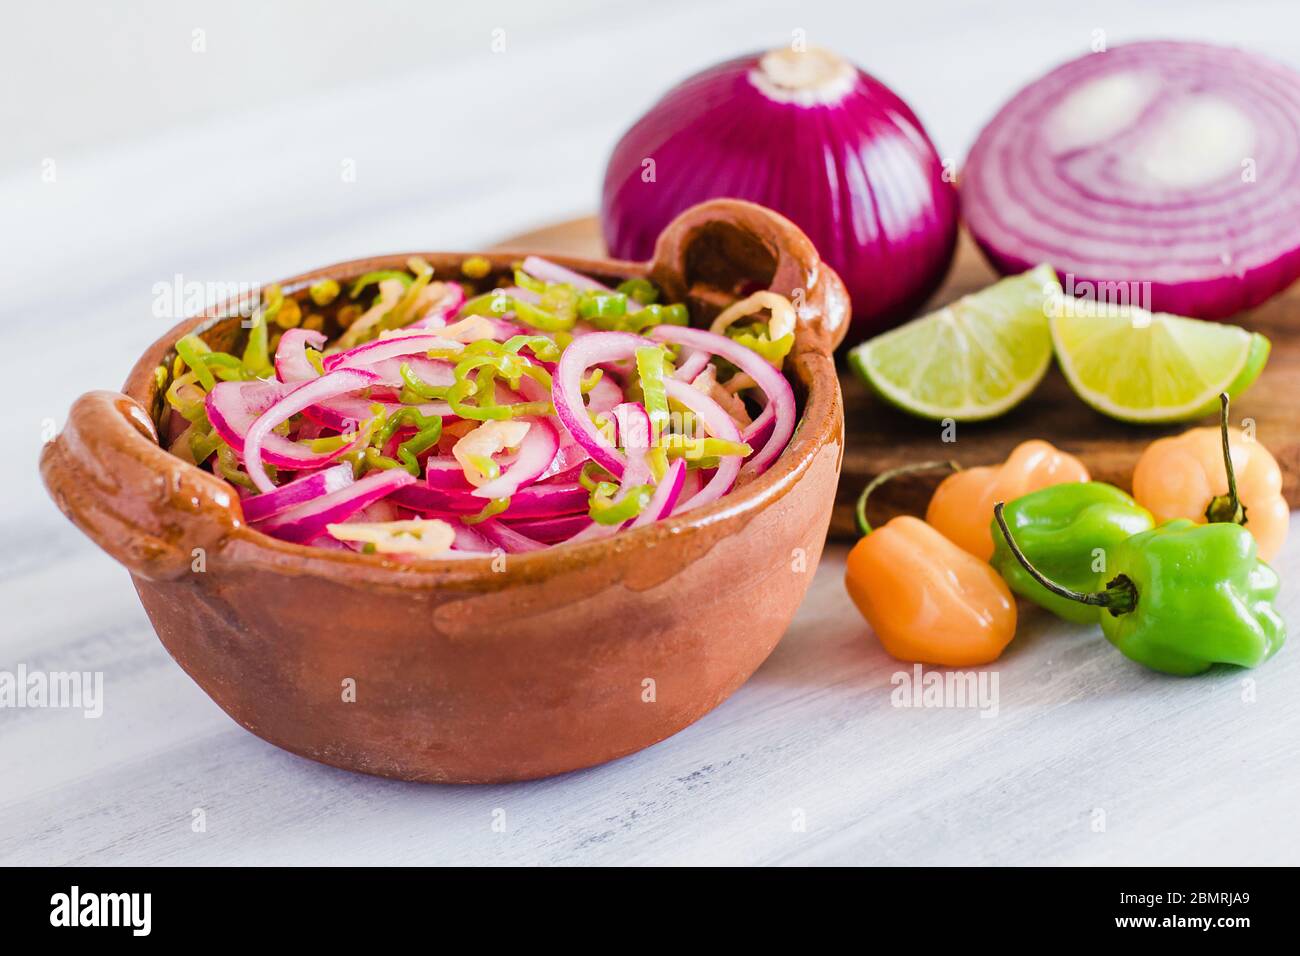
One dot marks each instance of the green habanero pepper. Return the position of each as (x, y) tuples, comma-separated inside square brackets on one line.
[(1183, 598), (1068, 531)]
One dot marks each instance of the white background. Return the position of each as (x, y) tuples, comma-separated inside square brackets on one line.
[(225, 165)]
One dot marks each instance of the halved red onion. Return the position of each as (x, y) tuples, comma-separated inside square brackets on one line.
[(534, 456), (307, 522), (291, 364), (779, 394), (1159, 174), (582, 353), (719, 424), (297, 492), (303, 396), (232, 409), (667, 493)]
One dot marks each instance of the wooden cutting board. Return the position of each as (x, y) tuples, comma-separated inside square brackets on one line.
[(880, 438)]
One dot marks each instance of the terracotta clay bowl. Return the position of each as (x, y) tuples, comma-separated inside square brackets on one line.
[(469, 671)]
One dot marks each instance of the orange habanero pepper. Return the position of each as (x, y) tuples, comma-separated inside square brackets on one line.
[(1215, 474), (962, 506), (927, 600)]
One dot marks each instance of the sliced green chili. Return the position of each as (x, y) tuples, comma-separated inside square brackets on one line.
[(257, 355), (642, 290), (376, 277), (428, 430), (605, 486), (605, 510), (192, 410), (642, 319), (560, 299), (525, 281), (687, 446), (404, 311), (657, 459), (203, 443), (495, 303), (539, 318), (756, 339), (594, 304), (191, 349), (418, 387), (490, 510), (488, 469), (228, 466), (372, 457), (650, 371)]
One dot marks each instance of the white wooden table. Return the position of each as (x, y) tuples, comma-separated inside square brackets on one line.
[(1089, 759), (809, 762)]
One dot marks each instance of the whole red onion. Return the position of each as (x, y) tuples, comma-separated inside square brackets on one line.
[(807, 134), (1162, 174)]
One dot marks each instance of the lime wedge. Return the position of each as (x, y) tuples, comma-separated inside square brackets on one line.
[(974, 359), (1146, 367)]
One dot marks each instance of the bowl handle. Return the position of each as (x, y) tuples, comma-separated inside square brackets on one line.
[(159, 516), (721, 250)]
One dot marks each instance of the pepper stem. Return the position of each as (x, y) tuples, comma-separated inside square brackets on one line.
[(1226, 508), (1120, 596), (860, 511)]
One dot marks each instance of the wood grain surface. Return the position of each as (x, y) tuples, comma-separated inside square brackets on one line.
[(880, 437)]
